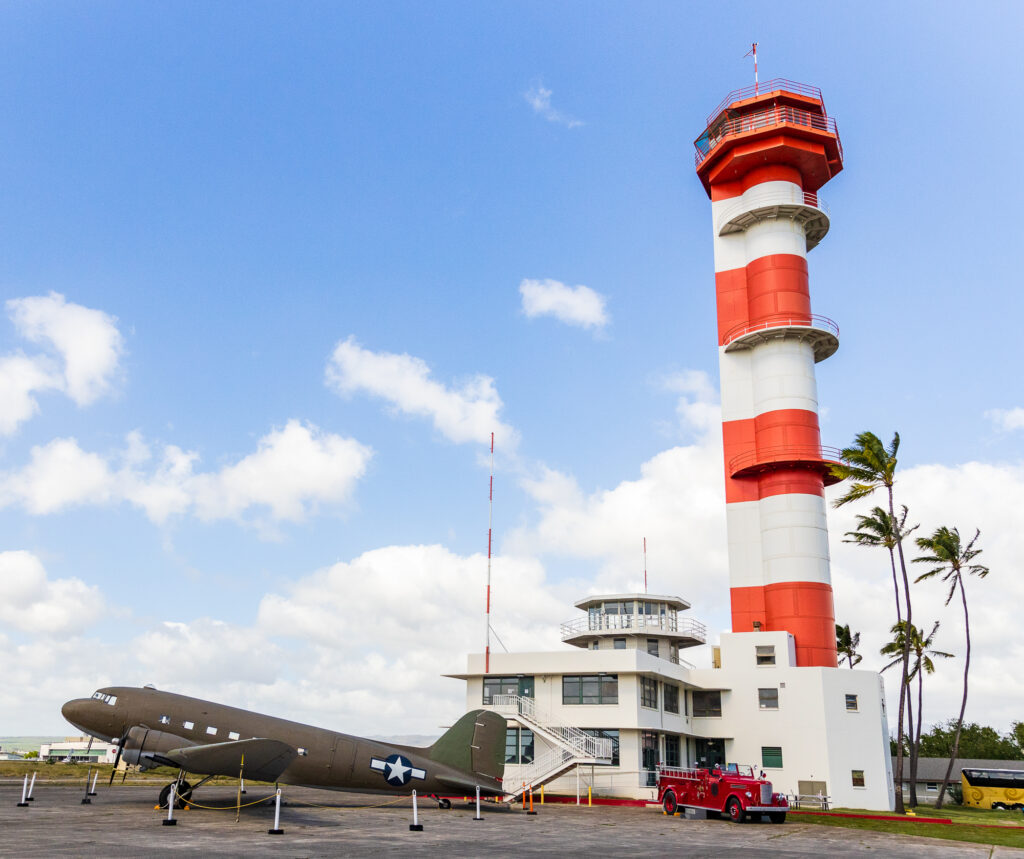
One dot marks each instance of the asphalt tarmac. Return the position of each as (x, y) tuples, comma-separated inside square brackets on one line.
[(121, 821)]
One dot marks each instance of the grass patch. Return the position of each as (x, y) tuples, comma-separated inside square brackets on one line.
[(1006, 829)]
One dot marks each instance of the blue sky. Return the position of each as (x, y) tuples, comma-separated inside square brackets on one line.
[(229, 191)]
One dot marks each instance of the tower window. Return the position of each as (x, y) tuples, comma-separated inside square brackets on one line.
[(768, 699), (765, 654), (851, 703)]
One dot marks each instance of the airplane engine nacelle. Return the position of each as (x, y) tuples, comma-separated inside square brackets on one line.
[(142, 744)]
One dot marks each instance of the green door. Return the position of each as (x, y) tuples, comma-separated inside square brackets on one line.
[(526, 687)]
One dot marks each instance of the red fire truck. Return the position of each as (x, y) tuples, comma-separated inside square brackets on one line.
[(735, 791)]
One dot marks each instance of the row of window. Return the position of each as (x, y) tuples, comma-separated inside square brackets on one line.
[(211, 731), (768, 699)]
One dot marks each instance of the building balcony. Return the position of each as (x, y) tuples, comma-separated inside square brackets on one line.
[(814, 457), (820, 331), (684, 631), (763, 120), (771, 203)]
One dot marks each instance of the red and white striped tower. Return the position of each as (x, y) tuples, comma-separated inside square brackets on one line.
[(762, 158)]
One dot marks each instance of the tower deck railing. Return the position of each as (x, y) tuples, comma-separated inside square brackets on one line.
[(774, 85), (640, 623), (777, 115), (811, 320), (814, 453)]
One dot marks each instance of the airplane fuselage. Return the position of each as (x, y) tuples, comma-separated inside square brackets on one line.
[(326, 759)]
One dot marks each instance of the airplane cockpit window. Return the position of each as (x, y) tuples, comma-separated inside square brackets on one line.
[(165, 720), (106, 699), (111, 700)]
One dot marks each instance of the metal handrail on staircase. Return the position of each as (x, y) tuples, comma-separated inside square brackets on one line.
[(579, 743), (540, 770)]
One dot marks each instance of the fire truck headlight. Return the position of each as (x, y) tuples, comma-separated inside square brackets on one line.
[(748, 794)]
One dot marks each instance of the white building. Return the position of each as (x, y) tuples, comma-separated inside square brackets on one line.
[(79, 750), (811, 729)]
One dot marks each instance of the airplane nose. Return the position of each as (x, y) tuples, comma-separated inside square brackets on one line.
[(73, 711)]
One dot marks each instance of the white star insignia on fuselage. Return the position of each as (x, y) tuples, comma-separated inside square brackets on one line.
[(397, 770)]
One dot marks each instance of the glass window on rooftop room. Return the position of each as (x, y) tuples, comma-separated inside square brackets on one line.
[(765, 654)]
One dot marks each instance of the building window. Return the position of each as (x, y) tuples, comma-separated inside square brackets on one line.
[(671, 750), (649, 756), (652, 646), (707, 704), (232, 735), (671, 694), (519, 746), (932, 785), (187, 725), (619, 643), (590, 689), (858, 778), (771, 756), (765, 654), (608, 734), (507, 686), (768, 699), (649, 692), (851, 703)]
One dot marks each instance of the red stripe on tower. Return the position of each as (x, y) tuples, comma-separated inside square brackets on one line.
[(762, 158)]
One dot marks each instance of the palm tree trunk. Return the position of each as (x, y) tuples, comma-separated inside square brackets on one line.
[(915, 745), (955, 751), (906, 665), (895, 586), (910, 734)]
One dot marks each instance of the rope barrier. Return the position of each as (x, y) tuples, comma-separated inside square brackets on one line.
[(267, 799)]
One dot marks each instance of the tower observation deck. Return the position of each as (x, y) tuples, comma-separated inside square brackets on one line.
[(763, 156)]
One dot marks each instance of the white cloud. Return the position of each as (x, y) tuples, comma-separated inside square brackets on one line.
[(33, 603), (573, 305), (87, 340), (20, 378), (463, 413), (539, 98), (1006, 420), (698, 408), (293, 470)]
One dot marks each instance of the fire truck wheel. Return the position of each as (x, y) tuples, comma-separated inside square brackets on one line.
[(777, 816), (669, 802), (735, 810)]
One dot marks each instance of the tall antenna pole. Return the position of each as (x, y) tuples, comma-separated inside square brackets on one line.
[(490, 522), (645, 565), (753, 52)]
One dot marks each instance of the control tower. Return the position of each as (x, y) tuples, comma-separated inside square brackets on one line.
[(764, 155)]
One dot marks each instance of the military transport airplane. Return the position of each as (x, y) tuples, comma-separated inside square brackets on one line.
[(154, 728)]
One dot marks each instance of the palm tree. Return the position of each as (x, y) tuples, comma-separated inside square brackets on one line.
[(871, 465), (952, 559), (879, 529), (847, 643), (923, 653)]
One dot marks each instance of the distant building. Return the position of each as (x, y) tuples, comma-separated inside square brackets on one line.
[(10, 756), (78, 750), (605, 712), (931, 771)]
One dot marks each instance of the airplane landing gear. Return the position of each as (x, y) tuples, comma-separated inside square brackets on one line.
[(184, 794), (442, 802)]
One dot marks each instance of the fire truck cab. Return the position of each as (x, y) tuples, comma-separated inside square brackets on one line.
[(735, 791)]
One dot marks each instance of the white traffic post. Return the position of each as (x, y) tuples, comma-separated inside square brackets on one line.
[(415, 826), (172, 798), (96, 775), (277, 830), (85, 799), (478, 817), (241, 781), (24, 788), (31, 785)]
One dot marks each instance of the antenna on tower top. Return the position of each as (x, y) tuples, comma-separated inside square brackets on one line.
[(645, 565), (753, 53), (490, 522)]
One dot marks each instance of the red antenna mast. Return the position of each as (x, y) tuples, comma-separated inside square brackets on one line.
[(753, 52), (490, 521)]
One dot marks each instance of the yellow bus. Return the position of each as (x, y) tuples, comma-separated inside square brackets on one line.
[(988, 788)]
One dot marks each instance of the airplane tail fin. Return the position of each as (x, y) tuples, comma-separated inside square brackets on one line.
[(475, 743)]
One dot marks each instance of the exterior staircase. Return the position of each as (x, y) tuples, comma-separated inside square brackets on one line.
[(570, 746)]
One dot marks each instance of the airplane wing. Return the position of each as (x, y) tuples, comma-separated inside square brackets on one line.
[(264, 760)]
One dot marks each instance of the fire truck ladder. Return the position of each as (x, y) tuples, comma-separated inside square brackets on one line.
[(570, 746)]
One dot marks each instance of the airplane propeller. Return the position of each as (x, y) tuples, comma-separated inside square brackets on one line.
[(117, 757)]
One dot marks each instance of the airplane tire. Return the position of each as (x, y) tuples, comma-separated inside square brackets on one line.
[(777, 816), (183, 795), (669, 802), (444, 803), (998, 806), (735, 810)]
